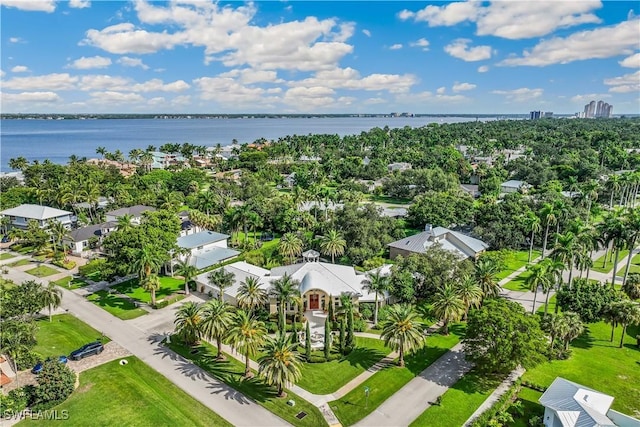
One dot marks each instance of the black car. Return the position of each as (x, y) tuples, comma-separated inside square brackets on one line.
[(87, 350), (5, 239)]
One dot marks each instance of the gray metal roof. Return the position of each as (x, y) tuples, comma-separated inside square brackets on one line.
[(38, 212), (201, 238), (212, 257), (576, 405), (134, 211), (449, 239), (512, 183), (94, 230)]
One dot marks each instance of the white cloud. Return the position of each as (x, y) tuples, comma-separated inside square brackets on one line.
[(460, 87), (110, 97), (483, 68), (31, 5), (103, 82), (510, 19), (624, 84), (395, 46), (87, 63), (422, 97), (459, 48), (227, 91), (366, 32), (249, 75), (48, 82), (132, 62), (181, 100), (604, 42), (441, 90), (157, 85), (30, 97), (159, 100), (632, 61), (423, 43), (309, 98), (581, 99), (79, 4), (15, 40), (348, 78), (521, 94), (20, 69), (374, 101)]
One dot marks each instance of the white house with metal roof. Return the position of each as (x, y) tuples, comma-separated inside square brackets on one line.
[(568, 404), (206, 248), (461, 244), (79, 240), (21, 215), (135, 212)]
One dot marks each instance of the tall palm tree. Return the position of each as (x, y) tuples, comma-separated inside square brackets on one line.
[(333, 244), (217, 316), (574, 327), (557, 328), (631, 287), (447, 306), (631, 221), (486, 270), (151, 284), (251, 295), (290, 246), (614, 232), (57, 231), (146, 262), (613, 184), (590, 192), (565, 250), (188, 322), (284, 290), (222, 280), (402, 331), (51, 297), (469, 292), (281, 363), (247, 335), (188, 271), (625, 313), (549, 218), (532, 224), (375, 282)]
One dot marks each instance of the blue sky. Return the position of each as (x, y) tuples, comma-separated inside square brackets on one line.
[(197, 56)]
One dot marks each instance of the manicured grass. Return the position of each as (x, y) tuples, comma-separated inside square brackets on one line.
[(515, 260), (42, 271), (459, 402), (518, 283), (119, 307), (530, 406), (328, 377), (64, 334), (75, 283), (351, 408), (633, 268), (598, 363), (131, 288), (597, 264), (231, 372), (18, 263), (131, 395), (5, 256)]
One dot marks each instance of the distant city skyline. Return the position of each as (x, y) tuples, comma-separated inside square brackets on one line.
[(469, 57), (597, 109)]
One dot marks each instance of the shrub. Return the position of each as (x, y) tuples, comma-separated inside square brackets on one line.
[(66, 265), (95, 266), (366, 310), (359, 325), (14, 402), (26, 359), (55, 383)]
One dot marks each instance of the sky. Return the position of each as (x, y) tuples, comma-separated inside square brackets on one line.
[(198, 56)]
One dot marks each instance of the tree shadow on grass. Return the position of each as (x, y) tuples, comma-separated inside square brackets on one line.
[(419, 360), (585, 341), (477, 382), (363, 357)]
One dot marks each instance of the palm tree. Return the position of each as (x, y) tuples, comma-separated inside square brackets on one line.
[(565, 250), (251, 295), (57, 231), (188, 271), (402, 331), (284, 290), (151, 284), (485, 273), (625, 313), (470, 293), (146, 262), (281, 363), (632, 232), (216, 319), (375, 282), (613, 184), (614, 231), (102, 151), (222, 280), (51, 297), (548, 214), (188, 322), (447, 306), (247, 335), (290, 246), (533, 224), (557, 328), (333, 244), (590, 192), (574, 327), (631, 287)]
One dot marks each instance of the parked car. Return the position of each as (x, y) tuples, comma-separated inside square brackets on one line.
[(36, 369), (87, 350), (5, 239)]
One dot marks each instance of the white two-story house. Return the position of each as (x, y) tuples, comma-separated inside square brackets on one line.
[(205, 248), (21, 215)]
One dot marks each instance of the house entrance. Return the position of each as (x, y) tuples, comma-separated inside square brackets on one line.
[(314, 302)]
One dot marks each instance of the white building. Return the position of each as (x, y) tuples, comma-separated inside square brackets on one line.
[(458, 243), (21, 215), (206, 248)]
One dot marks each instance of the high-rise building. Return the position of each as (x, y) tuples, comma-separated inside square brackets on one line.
[(534, 115), (599, 109)]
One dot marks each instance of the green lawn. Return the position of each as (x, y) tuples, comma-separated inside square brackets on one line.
[(530, 406), (5, 256), (42, 271), (20, 262), (633, 268), (515, 260), (598, 264), (119, 307), (351, 408), (328, 377), (518, 283), (75, 283), (231, 372), (131, 288), (64, 334), (459, 402), (387, 199), (597, 363), (131, 395)]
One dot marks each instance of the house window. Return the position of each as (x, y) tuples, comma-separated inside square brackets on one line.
[(12, 218), (84, 244)]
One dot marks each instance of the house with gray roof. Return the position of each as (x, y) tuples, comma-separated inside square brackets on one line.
[(514, 186), (21, 215), (206, 248), (461, 244), (135, 212), (79, 240), (568, 404)]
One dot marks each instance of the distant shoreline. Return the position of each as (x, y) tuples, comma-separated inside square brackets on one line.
[(88, 116)]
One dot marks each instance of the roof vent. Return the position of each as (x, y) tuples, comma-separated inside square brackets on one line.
[(428, 227)]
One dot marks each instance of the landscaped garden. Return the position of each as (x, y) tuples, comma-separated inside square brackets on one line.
[(69, 282), (132, 289), (605, 267), (354, 406), (122, 308), (518, 283), (64, 334), (633, 268), (132, 395), (20, 262), (42, 271), (231, 371), (4, 256)]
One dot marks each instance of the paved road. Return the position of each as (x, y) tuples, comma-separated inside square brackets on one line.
[(413, 399)]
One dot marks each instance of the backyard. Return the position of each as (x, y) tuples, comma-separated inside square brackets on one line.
[(132, 395), (64, 334), (122, 308), (132, 289)]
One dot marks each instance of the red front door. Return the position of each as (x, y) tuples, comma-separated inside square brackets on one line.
[(314, 302)]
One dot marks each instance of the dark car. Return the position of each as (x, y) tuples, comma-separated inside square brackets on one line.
[(5, 239), (36, 369), (87, 350)]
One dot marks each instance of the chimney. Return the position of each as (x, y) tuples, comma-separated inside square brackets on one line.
[(428, 227)]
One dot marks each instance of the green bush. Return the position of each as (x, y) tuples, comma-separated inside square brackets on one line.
[(66, 265), (366, 312), (14, 402), (26, 359), (359, 325), (98, 266), (56, 382)]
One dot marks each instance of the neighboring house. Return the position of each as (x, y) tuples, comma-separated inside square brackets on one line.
[(102, 203), (233, 175), (241, 271), (135, 212), (514, 186), (290, 180), (79, 240), (21, 215), (463, 245), (471, 190), (310, 159), (206, 248), (163, 160), (392, 167), (568, 404), (394, 212)]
